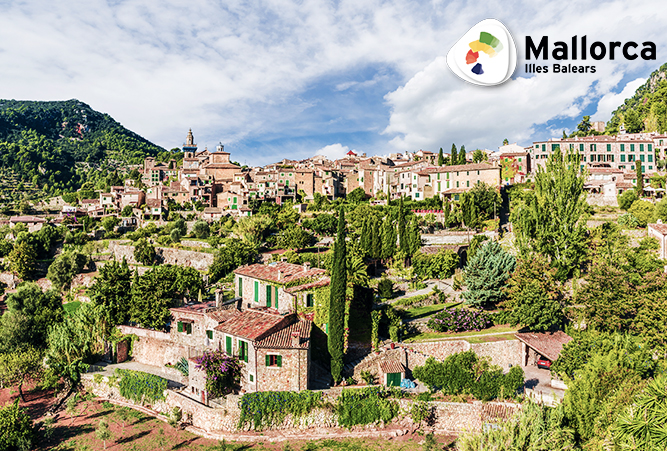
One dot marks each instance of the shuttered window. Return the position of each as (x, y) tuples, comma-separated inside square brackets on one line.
[(180, 326), (256, 291), (209, 334), (228, 345), (243, 350), (274, 360)]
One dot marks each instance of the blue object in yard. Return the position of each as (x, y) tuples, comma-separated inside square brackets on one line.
[(407, 383)]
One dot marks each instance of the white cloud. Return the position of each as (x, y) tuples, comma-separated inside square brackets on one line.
[(334, 151), (610, 101), (435, 108), (234, 70)]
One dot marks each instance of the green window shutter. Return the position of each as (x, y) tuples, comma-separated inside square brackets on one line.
[(228, 345), (209, 334), (268, 295), (608, 147), (641, 147), (252, 378), (256, 291), (650, 147), (240, 287), (268, 360), (188, 328), (180, 326), (279, 360), (276, 298), (245, 352)]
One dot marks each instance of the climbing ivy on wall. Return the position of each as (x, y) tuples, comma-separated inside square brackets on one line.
[(321, 300), (140, 387), (265, 409)]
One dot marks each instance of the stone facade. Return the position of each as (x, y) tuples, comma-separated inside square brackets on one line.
[(448, 417)]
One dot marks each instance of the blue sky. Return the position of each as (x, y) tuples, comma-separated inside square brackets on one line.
[(277, 79)]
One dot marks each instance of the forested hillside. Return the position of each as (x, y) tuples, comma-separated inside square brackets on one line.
[(646, 110), (41, 141)]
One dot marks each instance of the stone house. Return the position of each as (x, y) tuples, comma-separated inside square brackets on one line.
[(536, 345), (33, 223), (281, 285), (659, 232)]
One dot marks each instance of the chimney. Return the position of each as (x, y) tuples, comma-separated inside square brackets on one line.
[(280, 275), (296, 339), (306, 265)]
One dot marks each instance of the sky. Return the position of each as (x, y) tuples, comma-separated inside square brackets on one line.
[(278, 79)]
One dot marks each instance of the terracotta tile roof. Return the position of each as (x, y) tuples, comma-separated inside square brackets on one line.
[(458, 168), (25, 219), (660, 228), (549, 344), (195, 308), (323, 282), (255, 324), (221, 166), (281, 272), (153, 203), (391, 366), (222, 315), (283, 338)]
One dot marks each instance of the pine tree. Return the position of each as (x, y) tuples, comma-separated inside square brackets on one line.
[(388, 236), (486, 274), (402, 239), (441, 158), (462, 155), (553, 221), (376, 241), (453, 158), (337, 290)]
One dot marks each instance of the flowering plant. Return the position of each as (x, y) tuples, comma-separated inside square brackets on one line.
[(223, 372), (460, 320)]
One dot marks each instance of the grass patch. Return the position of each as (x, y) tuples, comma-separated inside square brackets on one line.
[(462, 335), (72, 307)]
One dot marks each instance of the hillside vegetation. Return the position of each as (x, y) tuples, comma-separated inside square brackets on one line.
[(646, 110), (42, 141)]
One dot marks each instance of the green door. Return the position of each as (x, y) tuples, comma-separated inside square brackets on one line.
[(268, 295), (228, 345), (393, 379)]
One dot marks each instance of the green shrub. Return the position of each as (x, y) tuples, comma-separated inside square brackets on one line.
[(16, 429), (385, 288), (366, 406), (465, 373)]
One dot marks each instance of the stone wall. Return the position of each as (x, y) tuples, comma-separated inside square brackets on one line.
[(448, 417), (201, 261), (155, 348), (505, 354)]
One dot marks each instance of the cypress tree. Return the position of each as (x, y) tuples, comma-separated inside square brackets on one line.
[(414, 238), (447, 210), (441, 158), (337, 290), (376, 242), (388, 235), (640, 178), (402, 239), (453, 158), (462, 155), (365, 239)]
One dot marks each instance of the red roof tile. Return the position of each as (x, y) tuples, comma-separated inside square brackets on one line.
[(255, 324), (391, 366), (199, 308), (281, 272), (549, 344), (283, 338), (323, 282), (660, 228)]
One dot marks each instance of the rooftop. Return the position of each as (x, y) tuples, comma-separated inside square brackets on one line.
[(549, 344), (283, 338), (281, 272), (255, 324)]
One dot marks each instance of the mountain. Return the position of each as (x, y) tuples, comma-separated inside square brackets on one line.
[(646, 110), (42, 141)]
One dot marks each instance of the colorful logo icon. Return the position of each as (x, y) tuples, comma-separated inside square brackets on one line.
[(485, 55)]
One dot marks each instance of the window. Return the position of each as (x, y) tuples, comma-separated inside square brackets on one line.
[(650, 158), (309, 300), (641, 157), (632, 147), (554, 147), (608, 147), (622, 147), (581, 147), (622, 158), (256, 291), (544, 147), (457, 184), (593, 148), (274, 360), (650, 147), (184, 327), (650, 168), (612, 158), (228, 345), (468, 183), (416, 195), (268, 295), (276, 297), (631, 158), (243, 350), (209, 334), (641, 147), (251, 377)]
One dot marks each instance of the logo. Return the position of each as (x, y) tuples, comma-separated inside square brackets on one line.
[(485, 55)]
